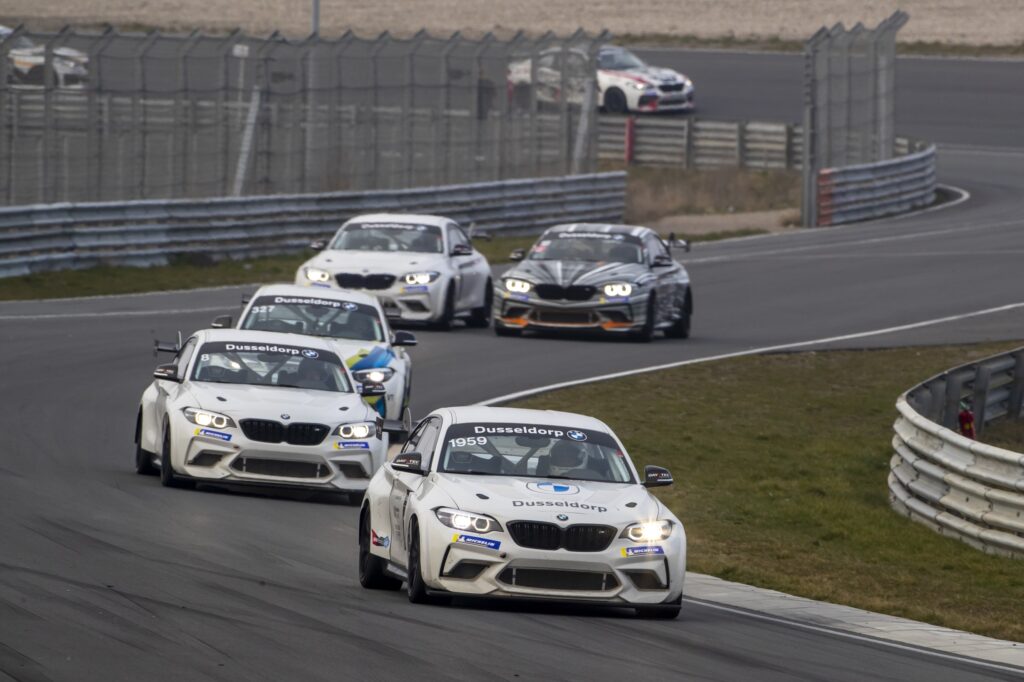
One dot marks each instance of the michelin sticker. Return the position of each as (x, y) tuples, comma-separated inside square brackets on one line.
[(646, 550), (474, 540), (210, 433), (348, 444)]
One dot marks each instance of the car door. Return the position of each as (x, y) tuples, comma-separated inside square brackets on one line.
[(404, 484), (668, 276), (466, 262)]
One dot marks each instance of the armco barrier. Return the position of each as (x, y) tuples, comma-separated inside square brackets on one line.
[(874, 190), (955, 485), (57, 236)]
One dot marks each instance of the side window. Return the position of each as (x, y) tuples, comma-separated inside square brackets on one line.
[(428, 441), (414, 438), (184, 355), (654, 247), (455, 237)]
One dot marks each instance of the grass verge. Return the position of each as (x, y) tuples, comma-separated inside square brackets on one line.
[(780, 464), (1005, 433)]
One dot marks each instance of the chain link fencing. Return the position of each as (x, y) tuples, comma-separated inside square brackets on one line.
[(115, 116), (849, 100)]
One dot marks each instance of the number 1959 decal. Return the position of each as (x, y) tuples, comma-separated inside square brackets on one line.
[(464, 442)]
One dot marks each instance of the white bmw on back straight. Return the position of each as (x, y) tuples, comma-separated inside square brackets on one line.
[(240, 407), (423, 268), (522, 504)]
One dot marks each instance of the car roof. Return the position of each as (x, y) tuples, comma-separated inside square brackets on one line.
[(609, 228), (410, 218), (519, 415), (316, 292), (257, 336)]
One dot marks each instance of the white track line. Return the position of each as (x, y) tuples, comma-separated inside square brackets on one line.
[(962, 658), (123, 313), (753, 351)]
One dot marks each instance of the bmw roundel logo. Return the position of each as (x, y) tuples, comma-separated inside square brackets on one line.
[(562, 517), (576, 435), (286, 417), (310, 353), (553, 488)]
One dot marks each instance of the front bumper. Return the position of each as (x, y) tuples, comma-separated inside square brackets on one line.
[(511, 571), (408, 303), (656, 100), (335, 465), (526, 311)]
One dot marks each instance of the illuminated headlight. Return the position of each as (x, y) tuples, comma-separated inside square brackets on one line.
[(377, 375), (357, 430), (518, 286), (460, 520), (421, 277), (640, 85), (648, 531), (204, 418), (618, 289), (317, 275)]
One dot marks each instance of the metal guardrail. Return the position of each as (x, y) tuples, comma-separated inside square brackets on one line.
[(955, 485), (700, 144), (874, 190), (57, 236)]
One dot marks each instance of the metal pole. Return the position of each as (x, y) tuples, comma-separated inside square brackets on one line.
[(316, 18)]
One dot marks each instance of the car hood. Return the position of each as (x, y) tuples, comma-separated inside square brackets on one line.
[(564, 272), (367, 262), (538, 499), (261, 402)]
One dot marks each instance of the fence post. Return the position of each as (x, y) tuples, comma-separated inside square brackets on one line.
[(8, 102), (741, 144), (96, 132), (629, 140), (1017, 387), (184, 115), (139, 117), (954, 387), (689, 143), (476, 108), (227, 51), (980, 397)]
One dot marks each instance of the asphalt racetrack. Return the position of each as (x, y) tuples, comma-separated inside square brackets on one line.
[(106, 575)]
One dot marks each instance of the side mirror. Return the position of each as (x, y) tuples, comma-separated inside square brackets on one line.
[(167, 372), (166, 347), (221, 322), (372, 390), (404, 338), (318, 244), (245, 299), (517, 255), (655, 477), (662, 261), (397, 430), (462, 250), (674, 243), (409, 462)]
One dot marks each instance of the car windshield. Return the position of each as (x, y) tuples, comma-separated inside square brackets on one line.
[(588, 246), (314, 316), (389, 237), (270, 364), (534, 451), (618, 60)]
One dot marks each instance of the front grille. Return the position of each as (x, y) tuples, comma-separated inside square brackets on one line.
[(266, 431), (281, 468), (562, 317), (575, 538), (263, 430), (353, 280), (575, 292), (671, 87), (547, 579), (351, 469)]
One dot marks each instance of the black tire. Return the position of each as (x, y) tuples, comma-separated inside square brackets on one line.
[(680, 329), (415, 587), (371, 567), (615, 101), (447, 319), (481, 317), (667, 611), (143, 458), (167, 476), (502, 330), (646, 333)]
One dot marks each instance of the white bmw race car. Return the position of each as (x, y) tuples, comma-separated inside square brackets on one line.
[(355, 324), (239, 407), (627, 84), (422, 268), (522, 504)]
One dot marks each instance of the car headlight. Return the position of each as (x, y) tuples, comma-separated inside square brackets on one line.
[(317, 275), (640, 85), (648, 531), (377, 375), (204, 418), (358, 430), (518, 286), (460, 520), (420, 277), (618, 289)]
